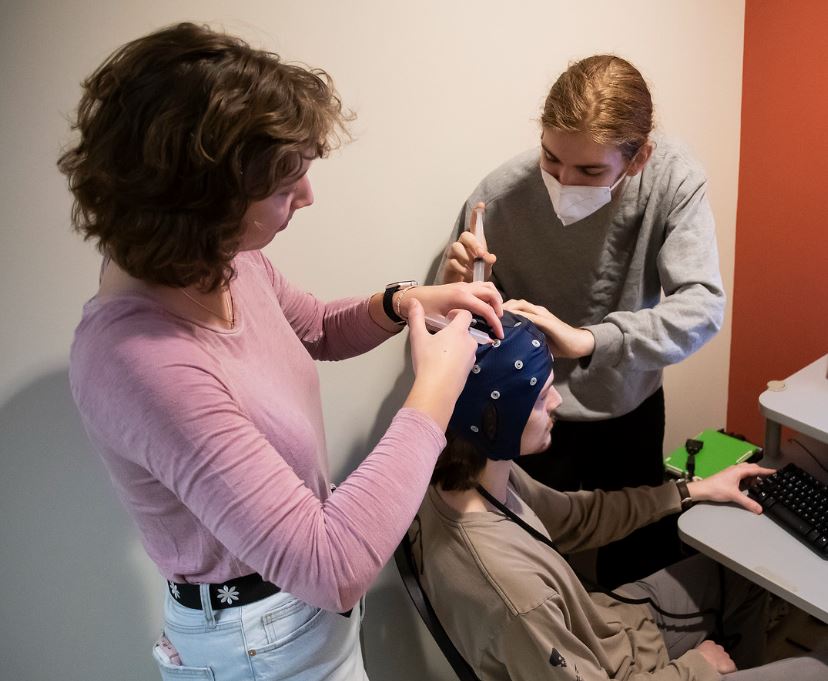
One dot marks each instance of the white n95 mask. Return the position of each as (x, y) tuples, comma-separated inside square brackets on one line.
[(575, 202)]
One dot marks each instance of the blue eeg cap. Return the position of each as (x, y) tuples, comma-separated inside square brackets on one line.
[(507, 376)]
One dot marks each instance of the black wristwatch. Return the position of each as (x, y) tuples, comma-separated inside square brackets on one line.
[(388, 299), (684, 495)]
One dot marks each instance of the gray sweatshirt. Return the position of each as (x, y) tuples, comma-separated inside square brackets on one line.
[(607, 273)]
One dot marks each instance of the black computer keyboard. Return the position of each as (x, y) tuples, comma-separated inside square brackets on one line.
[(797, 501)]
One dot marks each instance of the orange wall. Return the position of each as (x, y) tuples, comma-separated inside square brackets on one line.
[(780, 296)]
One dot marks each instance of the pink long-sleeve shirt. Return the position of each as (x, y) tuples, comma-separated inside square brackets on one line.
[(215, 442)]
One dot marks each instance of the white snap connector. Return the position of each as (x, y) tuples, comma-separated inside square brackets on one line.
[(536, 343), (476, 369), (475, 429), (533, 380), (496, 343), (495, 394), (519, 364)]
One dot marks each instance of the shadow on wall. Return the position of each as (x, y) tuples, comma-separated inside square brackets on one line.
[(86, 601)]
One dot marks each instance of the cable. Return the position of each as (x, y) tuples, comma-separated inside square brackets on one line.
[(813, 456)]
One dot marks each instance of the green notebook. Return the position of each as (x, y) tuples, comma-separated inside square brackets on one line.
[(719, 452)]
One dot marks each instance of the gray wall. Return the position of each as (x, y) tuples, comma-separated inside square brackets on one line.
[(444, 91)]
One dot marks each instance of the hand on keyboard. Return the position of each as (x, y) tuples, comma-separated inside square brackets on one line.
[(725, 485), (798, 502)]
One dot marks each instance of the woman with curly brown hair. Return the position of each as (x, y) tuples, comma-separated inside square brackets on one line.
[(193, 366)]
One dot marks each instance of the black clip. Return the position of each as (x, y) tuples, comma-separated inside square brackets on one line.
[(693, 447)]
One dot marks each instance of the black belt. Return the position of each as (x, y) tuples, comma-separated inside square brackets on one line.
[(232, 593)]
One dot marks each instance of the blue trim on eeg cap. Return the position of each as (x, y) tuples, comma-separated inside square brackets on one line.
[(507, 376)]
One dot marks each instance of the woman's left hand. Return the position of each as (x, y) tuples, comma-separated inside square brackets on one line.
[(564, 340), (724, 485), (480, 298)]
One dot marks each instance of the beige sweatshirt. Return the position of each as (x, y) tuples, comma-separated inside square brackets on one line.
[(513, 606)]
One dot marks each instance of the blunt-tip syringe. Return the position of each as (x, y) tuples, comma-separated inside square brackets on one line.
[(437, 322), (479, 273)]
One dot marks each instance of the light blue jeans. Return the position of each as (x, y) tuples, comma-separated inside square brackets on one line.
[(278, 637)]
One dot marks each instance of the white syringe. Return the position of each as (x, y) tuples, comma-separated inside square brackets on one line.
[(435, 323), (479, 273)]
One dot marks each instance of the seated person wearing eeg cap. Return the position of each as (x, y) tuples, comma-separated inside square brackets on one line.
[(507, 598)]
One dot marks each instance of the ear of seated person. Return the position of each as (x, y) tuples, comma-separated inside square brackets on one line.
[(510, 603)]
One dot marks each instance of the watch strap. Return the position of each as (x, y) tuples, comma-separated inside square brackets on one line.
[(388, 299), (684, 494)]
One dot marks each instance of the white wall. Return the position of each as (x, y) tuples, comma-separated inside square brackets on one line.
[(445, 91)]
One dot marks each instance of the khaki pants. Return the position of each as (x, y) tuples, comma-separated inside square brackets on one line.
[(696, 584)]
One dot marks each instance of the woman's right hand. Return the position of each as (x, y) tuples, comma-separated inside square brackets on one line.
[(460, 257), (442, 362)]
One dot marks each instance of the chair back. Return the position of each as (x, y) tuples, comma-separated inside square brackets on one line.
[(404, 558)]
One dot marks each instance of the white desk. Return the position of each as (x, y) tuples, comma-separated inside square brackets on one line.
[(801, 405), (755, 546)]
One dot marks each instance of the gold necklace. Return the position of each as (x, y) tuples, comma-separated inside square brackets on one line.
[(231, 321)]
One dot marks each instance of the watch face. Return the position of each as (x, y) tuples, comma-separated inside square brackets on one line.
[(403, 284)]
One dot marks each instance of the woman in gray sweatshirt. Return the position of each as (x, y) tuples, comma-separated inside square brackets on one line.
[(606, 229)]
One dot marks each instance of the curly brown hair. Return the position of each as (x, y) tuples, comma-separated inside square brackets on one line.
[(605, 96), (179, 131)]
